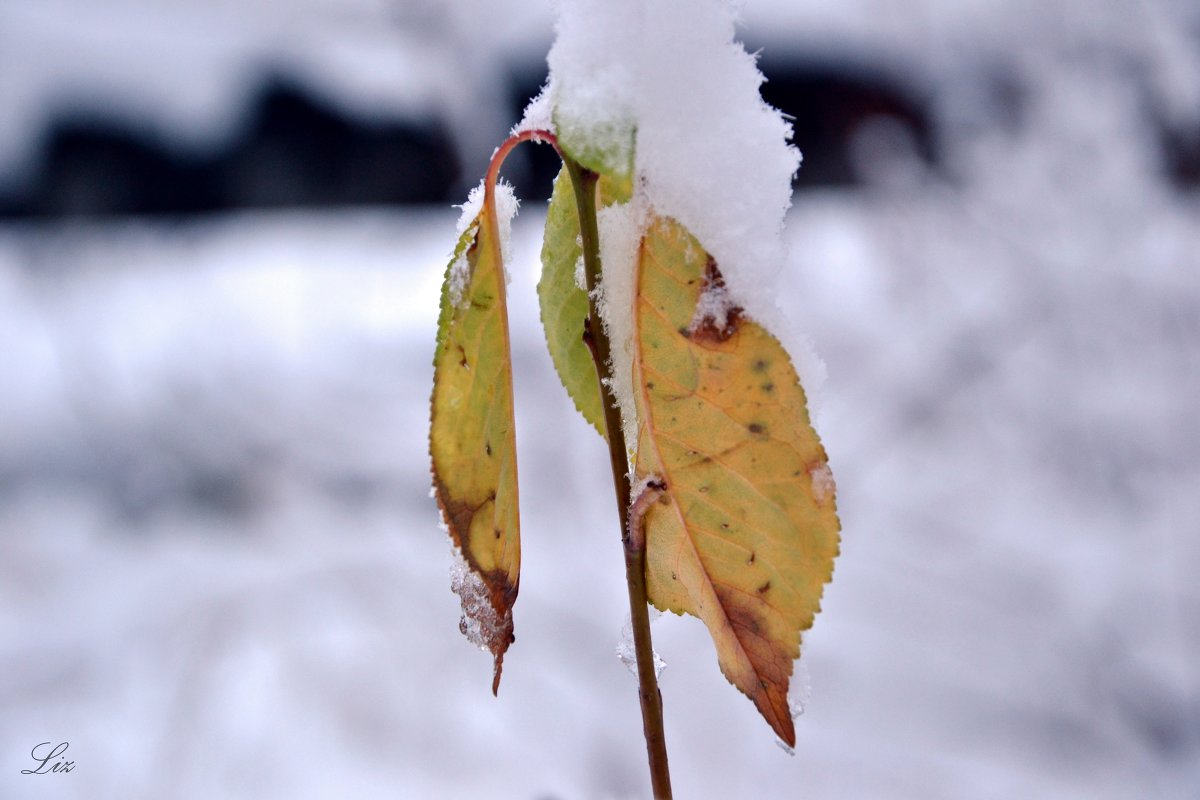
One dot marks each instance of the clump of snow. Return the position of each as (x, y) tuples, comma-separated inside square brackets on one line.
[(580, 273), (711, 153), (822, 482), (470, 210), (507, 206), (620, 233), (799, 693), (479, 623), (713, 308), (538, 116), (460, 273), (628, 653), (800, 690)]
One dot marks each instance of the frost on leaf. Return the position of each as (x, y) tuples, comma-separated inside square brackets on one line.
[(472, 432), (822, 482), (538, 116), (801, 692), (483, 626)]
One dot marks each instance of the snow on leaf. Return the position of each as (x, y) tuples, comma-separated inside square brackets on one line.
[(472, 432), (666, 93), (746, 531)]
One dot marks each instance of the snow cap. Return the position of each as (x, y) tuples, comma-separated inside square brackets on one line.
[(665, 86)]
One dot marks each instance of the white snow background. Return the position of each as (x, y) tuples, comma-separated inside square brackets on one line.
[(221, 574)]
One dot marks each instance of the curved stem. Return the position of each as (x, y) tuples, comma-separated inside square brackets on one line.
[(506, 147), (584, 182)]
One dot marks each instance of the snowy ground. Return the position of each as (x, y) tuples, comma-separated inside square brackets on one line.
[(221, 575)]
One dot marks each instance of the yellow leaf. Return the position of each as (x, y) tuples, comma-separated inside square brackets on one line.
[(746, 531), (472, 435)]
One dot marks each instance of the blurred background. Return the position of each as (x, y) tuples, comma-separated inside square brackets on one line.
[(222, 230)]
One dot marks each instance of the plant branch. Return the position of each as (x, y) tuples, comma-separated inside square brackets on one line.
[(585, 182)]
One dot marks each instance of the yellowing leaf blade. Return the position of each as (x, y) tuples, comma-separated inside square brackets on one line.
[(746, 531), (472, 436)]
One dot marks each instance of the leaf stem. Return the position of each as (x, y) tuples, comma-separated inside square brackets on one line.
[(585, 182), (506, 147)]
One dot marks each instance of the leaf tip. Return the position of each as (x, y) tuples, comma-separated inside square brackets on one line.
[(496, 674)]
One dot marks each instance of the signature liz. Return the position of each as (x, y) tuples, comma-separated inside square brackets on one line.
[(51, 754)]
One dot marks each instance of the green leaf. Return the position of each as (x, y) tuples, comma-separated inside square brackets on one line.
[(472, 436), (564, 304), (746, 531)]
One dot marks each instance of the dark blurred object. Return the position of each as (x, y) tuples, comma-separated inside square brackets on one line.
[(531, 169), (100, 167), (299, 152), (295, 151), (1181, 154), (833, 104)]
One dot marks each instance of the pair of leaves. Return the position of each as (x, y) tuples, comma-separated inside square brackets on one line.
[(745, 532)]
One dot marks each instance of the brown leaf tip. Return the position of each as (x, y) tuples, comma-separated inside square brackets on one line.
[(771, 663), (717, 317), (486, 618)]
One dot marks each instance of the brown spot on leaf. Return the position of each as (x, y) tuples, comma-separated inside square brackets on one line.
[(756, 427), (710, 327), (764, 588)]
